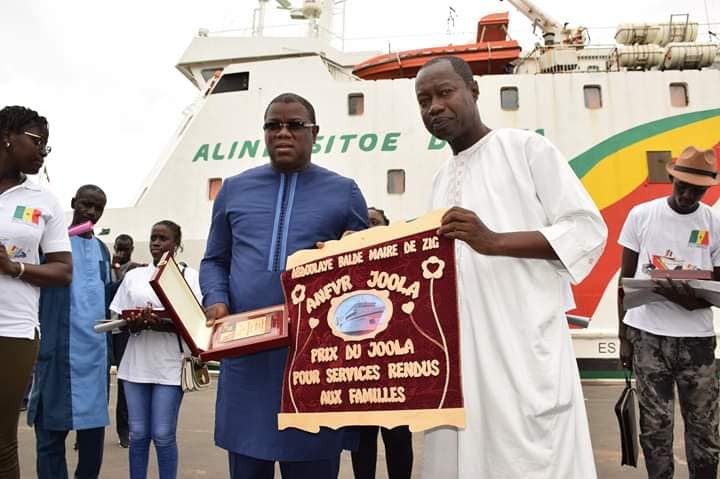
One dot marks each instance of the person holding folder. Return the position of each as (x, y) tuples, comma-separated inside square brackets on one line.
[(671, 343)]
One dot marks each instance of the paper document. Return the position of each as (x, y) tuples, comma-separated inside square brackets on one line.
[(640, 291)]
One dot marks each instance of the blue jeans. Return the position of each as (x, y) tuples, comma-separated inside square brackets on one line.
[(152, 414)]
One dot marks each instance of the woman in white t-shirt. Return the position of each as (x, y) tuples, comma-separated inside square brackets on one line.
[(150, 367), (31, 219)]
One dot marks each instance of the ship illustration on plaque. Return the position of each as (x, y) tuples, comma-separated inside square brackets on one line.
[(360, 315)]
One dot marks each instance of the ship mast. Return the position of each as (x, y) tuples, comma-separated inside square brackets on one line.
[(318, 13)]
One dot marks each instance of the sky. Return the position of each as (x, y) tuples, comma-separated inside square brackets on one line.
[(104, 75)]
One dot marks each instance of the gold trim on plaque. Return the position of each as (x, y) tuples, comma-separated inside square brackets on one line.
[(368, 237), (417, 419)]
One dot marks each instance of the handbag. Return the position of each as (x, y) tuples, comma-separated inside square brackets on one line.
[(626, 412), (194, 373)]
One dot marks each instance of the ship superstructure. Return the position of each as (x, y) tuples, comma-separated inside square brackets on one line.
[(619, 114)]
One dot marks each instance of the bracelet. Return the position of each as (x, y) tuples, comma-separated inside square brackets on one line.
[(22, 270)]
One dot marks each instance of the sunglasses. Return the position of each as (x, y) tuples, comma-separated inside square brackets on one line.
[(292, 125), (38, 141)]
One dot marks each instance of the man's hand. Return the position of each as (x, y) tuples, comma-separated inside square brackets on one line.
[(115, 262), (626, 353), (462, 224), (215, 312), (7, 266), (681, 294)]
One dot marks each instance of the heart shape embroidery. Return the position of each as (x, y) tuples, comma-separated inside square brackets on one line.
[(313, 322), (408, 307), (432, 268)]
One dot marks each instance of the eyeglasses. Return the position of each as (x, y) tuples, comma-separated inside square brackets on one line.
[(292, 125), (38, 141)]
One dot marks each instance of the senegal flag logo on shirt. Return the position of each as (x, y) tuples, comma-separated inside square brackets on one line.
[(699, 239), (27, 215)]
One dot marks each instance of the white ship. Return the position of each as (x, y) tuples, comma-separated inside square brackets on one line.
[(618, 113), (362, 318)]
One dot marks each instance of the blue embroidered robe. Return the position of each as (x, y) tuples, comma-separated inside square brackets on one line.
[(259, 218), (70, 384)]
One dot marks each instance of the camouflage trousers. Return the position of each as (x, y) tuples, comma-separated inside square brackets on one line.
[(660, 364)]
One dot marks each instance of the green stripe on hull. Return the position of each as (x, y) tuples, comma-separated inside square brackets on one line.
[(584, 162), (602, 374)]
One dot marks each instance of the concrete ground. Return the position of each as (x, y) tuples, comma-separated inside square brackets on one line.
[(199, 458)]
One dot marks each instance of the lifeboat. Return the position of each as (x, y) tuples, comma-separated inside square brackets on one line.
[(491, 54)]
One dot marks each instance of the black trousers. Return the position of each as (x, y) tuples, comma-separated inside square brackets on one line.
[(398, 452), (51, 463), (119, 343), (246, 467)]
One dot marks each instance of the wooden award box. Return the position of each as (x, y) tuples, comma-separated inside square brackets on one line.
[(234, 335)]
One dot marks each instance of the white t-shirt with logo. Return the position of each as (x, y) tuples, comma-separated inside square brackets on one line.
[(31, 219), (665, 239), (150, 356)]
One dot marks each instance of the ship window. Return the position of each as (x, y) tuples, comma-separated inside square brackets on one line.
[(208, 73), (656, 161), (232, 82), (396, 182), (214, 185), (356, 104), (679, 94), (509, 98), (593, 96)]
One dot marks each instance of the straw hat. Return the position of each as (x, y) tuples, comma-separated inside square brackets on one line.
[(697, 167)]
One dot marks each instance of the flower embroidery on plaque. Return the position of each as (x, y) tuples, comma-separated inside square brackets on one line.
[(433, 268), (298, 294)]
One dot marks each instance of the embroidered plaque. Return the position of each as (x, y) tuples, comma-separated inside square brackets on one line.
[(374, 331)]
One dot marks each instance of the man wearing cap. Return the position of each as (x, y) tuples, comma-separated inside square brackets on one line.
[(672, 343)]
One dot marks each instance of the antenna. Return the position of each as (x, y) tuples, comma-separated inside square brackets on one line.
[(452, 15), (707, 20), (259, 18)]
